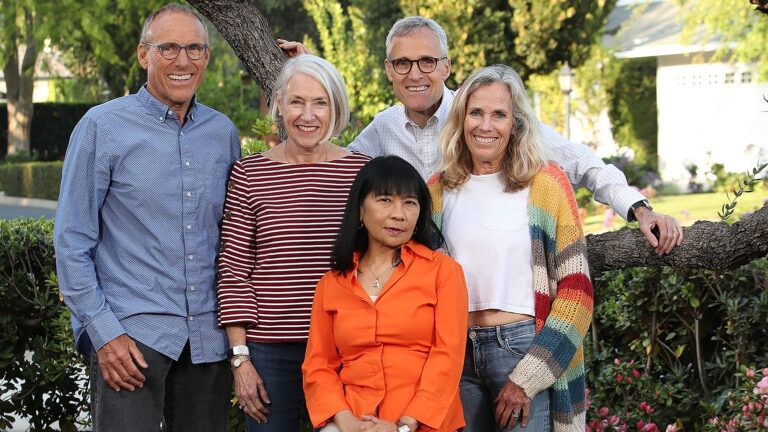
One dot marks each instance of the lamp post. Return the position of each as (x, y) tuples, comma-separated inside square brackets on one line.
[(565, 77)]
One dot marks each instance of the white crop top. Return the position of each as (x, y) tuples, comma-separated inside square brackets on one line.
[(486, 230)]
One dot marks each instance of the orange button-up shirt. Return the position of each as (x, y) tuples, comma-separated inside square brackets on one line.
[(399, 355)]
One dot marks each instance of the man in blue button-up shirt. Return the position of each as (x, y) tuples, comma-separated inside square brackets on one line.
[(137, 235)]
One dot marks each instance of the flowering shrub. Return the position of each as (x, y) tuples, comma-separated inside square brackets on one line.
[(688, 332), (625, 398), (746, 408)]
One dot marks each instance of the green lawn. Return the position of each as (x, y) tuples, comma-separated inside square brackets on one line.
[(686, 208)]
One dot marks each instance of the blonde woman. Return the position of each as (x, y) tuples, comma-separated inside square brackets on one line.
[(510, 219)]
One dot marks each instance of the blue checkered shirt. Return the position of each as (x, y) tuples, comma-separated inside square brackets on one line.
[(137, 225)]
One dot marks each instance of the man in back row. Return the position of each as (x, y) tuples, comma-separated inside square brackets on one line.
[(418, 65)]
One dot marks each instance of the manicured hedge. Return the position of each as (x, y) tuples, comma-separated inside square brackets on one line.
[(52, 124), (31, 179)]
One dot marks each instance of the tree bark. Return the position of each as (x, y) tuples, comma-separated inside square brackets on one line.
[(707, 245), (248, 33), (20, 88)]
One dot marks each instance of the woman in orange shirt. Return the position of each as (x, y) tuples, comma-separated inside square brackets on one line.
[(388, 326)]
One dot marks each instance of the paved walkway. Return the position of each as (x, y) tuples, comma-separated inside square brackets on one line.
[(14, 207)]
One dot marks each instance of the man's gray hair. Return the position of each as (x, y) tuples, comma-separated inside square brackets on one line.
[(408, 25), (170, 7), (328, 76)]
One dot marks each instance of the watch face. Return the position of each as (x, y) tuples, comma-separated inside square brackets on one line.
[(237, 362)]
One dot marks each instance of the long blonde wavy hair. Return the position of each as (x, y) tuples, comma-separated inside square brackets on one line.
[(525, 154)]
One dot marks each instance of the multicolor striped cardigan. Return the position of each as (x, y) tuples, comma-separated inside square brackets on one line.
[(563, 290)]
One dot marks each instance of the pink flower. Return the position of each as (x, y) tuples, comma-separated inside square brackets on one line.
[(750, 373), (645, 406), (635, 373), (603, 411), (614, 420), (650, 427), (671, 428), (617, 362), (765, 372), (619, 378), (762, 386)]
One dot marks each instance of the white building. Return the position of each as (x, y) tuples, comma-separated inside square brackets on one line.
[(708, 111)]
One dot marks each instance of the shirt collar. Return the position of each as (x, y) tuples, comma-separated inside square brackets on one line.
[(161, 111), (408, 252)]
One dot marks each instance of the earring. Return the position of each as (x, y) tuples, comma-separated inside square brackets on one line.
[(360, 226)]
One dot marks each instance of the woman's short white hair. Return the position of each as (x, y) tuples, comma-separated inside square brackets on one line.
[(325, 74), (408, 25)]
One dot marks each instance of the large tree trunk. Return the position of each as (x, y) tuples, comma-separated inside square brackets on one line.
[(20, 87), (248, 33), (707, 245)]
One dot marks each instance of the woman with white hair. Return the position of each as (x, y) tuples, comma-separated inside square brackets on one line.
[(282, 212), (510, 219)]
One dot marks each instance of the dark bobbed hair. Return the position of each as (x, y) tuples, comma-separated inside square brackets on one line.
[(384, 175)]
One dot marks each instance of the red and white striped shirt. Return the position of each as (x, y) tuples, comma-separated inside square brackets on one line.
[(280, 222)]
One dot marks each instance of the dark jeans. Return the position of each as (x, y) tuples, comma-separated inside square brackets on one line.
[(187, 396), (279, 365), (492, 354)]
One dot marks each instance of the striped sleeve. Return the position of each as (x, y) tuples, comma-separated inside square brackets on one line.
[(558, 231), (237, 298)]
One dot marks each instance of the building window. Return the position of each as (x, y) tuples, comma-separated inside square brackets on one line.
[(746, 77), (729, 77)]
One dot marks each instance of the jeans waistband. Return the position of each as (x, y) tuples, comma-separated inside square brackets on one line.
[(479, 333)]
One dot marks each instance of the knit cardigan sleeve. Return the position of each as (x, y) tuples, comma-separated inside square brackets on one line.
[(561, 282)]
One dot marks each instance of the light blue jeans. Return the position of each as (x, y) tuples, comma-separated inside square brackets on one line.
[(492, 353)]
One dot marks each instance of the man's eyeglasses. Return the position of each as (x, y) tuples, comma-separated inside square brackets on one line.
[(426, 64), (171, 50)]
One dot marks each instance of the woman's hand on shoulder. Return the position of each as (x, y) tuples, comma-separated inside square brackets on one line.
[(512, 403)]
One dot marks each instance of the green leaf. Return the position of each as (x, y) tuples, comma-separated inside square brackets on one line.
[(679, 350)]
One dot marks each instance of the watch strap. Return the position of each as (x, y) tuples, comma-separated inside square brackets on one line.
[(238, 350), (642, 203)]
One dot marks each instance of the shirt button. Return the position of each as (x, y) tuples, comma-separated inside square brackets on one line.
[(192, 288), (189, 226), (161, 118), (189, 194), (191, 317), (472, 335), (181, 133), (190, 257), (186, 163)]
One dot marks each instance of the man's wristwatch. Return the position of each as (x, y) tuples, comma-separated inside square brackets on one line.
[(404, 428), (643, 203), (238, 360), (238, 350)]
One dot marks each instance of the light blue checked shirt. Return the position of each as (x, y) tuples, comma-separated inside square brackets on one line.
[(137, 225)]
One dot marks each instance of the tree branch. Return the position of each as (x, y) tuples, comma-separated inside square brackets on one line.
[(706, 245)]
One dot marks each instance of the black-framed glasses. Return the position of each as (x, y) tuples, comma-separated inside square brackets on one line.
[(425, 64), (171, 50)]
